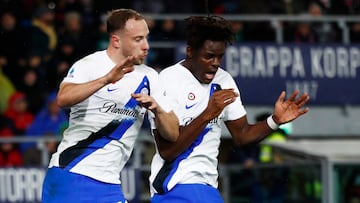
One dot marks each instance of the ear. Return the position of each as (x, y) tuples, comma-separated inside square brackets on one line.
[(189, 52), (115, 41)]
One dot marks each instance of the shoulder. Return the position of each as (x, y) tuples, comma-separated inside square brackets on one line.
[(223, 73), (171, 71), (147, 70), (90, 62), (91, 58), (224, 78)]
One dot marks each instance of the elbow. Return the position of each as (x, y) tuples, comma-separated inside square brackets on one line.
[(61, 102), (246, 141), (173, 136), (242, 141), (167, 153), (170, 135)]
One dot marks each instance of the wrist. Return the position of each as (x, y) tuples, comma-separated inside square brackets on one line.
[(271, 123), (104, 81)]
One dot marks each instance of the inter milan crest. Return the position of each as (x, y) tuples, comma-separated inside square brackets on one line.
[(144, 91)]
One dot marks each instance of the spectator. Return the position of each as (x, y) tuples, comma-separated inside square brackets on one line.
[(166, 31), (6, 90), (102, 36), (249, 186), (355, 32), (42, 33), (345, 7), (149, 6), (238, 28), (279, 135), (51, 120), (228, 7), (59, 65), (33, 86), (303, 33), (13, 46), (5, 126), (18, 113), (324, 31), (9, 154), (272, 181), (77, 35)]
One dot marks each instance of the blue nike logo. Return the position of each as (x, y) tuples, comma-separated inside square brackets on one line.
[(110, 90), (188, 107)]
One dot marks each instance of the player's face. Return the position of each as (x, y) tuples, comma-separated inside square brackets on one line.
[(134, 40), (207, 60)]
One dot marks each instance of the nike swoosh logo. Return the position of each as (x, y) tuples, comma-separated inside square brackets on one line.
[(110, 90), (188, 107)]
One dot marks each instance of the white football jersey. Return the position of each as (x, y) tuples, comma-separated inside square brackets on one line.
[(189, 97), (103, 128)]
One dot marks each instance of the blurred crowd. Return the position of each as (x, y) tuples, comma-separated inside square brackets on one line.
[(40, 39)]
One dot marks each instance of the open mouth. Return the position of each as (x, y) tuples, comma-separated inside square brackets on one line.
[(209, 76)]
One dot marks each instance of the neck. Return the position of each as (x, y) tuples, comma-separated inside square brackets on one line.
[(114, 55)]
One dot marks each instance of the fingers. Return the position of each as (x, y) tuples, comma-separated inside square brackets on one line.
[(141, 97), (302, 112), (127, 69), (301, 101), (145, 100), (293, 95), (281, 97), (128, 64), (225, 96)]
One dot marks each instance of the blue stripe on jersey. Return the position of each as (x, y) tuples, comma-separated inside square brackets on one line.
[(112, 131), (169, 168)]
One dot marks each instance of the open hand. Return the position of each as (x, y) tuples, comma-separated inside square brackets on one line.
[(290, 109), (122, 68)]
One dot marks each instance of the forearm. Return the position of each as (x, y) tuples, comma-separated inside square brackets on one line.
[(245, 134), (71, 94), (167, 125), (188, 135)]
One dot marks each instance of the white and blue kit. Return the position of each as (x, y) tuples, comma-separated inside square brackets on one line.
[(189, 97), (103, 128)]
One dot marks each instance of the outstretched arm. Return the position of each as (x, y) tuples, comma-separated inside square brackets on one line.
[(71, 93), (285, 110)]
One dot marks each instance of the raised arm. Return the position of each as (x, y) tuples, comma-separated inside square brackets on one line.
[(285, 111), (71, 93)]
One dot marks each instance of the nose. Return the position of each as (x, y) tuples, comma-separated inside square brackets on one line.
[(217, 61), (145, 45)]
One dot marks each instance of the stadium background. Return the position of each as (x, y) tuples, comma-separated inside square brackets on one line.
[(313, 46)]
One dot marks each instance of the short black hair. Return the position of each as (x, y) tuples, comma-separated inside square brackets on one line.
[(198, 29)]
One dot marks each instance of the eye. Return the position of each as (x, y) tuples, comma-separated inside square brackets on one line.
[(209, 56), (139, 38)]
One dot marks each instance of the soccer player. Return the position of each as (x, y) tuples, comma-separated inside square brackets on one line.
[(204, 95), (109, 93)]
